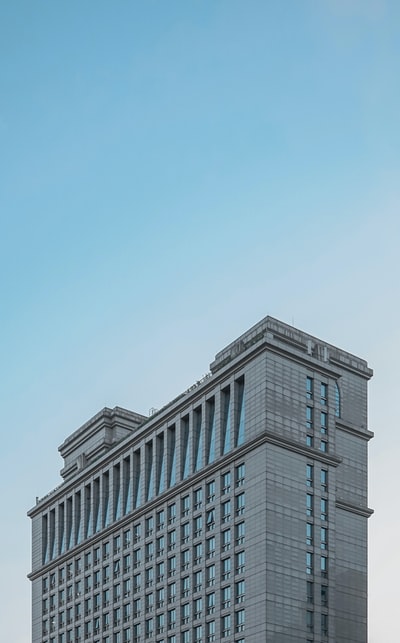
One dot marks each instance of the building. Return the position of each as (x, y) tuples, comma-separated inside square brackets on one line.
[(236, 513)]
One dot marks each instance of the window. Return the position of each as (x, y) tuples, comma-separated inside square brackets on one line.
[(197, 634), (61, 571), (171, 513), (197, 608), (310, 621), (171, 539), (324, 538), (309, 441), (310, 475), (324, 509), (324, 422), (225, 482), (160, 571), (106, 597), (324, 624), (127, 538), (309, 534), (137, 557), (106, 550), (226, 597), (160, 597), (226, 568), (160, 545), (337, 400), (309, 388), (149, 602), (197, 526), (239, 621), (185, 532), (240, 474), (149, 525), (185, 613), (160, 519), (160, 623), (323, 446), (211, 491), (324, 595), (172, 566), (324, 566), (126, 610), (324, 479), (186, 636), (226, 511), (149, 552), (226, 626), (309, 504), (171, 592), (186, 559), (210, 547), (240, 591), (309, 563), (197, 581), (137, 582), (185, 505), (171, 616), (137, 606), (185, 586), (240, 533), (96, 602), (309, 418), (126, 563), (210, 574), (210, 519), (137, 532), (310, 592), (324, 394), (240, 562), (117, 616), (149, 627), (198, 552), (210, 629), (117, 544), (149, 576), (226, 540), (210, 603), (240, 504), (96, 559), (197, 498)]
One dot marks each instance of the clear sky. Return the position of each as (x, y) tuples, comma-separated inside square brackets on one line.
[(171, 171)]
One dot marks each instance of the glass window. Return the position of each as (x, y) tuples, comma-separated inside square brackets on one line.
[(309, 504), (171, 592), (161, 519), (197, 581), (197, 607), (240, 562), (226, 511), (226, 568), (226, 597), (324, 538), (171, 513), (310, 620), (171, 565), (185, 559), (197, 526), (309, 417), (239, 620), (309, 441), (309, 387), (309, 475), (197, 498), (149, 551), (171, 540), (160, 545), (171, 616), (185, 532), (160, 596), (210, 572), (324, 566), (240, 504), (185, 586), (185, 505), (240, 474), (226, 482), (309, 563), (210, 603), (324, 509), (324, 595), (324, 624), (149, 525), (210, 547), (310, 592), (324, 479), (324, 422), (323, 446), (226, 626), (198, 552), (309, 534), (185, 612), (210, 519), (337, 400), (211, 491), (240, 533), (324, 393), (226, 540), (240, 591)]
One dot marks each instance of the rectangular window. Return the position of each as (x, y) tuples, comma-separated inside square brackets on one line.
[(197, 608), (309, 388), (309, 441), (324, 422), (210, 547), (185, 583), (149, 525), (310, 621), (240, 474), (324, 509), (160, 519), (309, 534), (185, 505), (309, 563), (197, 553), (310, 504), (310, 592), (324, 538), (240, 592), (226, 540), (197, 581), (240, 504), (324, 624), (226, 597), (226, 568), (324, 479), (210, 575), (211, 491), (309, 475), (324, 595), (226, 626), (197, 498), (240, 530), (171, 513), (324, 394), (210, 519), (197, 526), (210, 598), (309, 418), (324, 566), (240, 562), (225, 482), (239, 621), (171, 540)]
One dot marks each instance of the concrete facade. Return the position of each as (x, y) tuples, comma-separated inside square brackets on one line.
[(237, 513)]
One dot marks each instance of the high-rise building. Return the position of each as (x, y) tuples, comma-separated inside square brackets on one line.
[(236, 513)]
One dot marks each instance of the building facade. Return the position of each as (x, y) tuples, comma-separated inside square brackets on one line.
[(236, 513)]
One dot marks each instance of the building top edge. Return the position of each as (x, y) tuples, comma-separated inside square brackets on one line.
[(297, 339)]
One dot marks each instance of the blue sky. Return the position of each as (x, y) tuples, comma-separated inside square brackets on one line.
[(170, 173)]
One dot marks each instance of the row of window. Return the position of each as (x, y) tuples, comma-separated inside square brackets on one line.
[(228, 624), (160, 463), (323, 394)]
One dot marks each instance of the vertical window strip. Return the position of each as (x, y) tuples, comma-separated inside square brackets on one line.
[(136, 476), (226, 432), (172, 456), (160, 464), (78, 518), (96, 506), (45, 539), (106, 499), (69, 525), (52, 533), (117, 491), (88, 507), (240, 422), (198, 441), (211, 431), (61, 528), (127, 485), (149, 470), (185, 447), (337, 401)]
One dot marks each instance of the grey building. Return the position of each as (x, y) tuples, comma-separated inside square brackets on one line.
[(236, 513)]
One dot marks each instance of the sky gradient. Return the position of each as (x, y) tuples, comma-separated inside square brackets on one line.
[(170, 173)]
